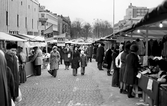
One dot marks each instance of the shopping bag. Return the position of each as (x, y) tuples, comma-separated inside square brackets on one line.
[(13, 104), (105, 65), (48, 67)]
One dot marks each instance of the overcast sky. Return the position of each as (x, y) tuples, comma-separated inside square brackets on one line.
[(90, 10)]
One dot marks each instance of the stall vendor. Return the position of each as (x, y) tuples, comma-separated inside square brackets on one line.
[(160, 71)]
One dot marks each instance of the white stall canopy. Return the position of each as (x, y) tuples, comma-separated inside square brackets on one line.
[(8, 37)]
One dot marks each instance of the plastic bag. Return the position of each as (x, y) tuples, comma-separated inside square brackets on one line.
[(13, 104)]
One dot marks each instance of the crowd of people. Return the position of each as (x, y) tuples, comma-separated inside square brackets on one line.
[(73, 55), (125, 62)]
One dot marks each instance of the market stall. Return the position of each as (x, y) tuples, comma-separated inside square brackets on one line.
[(152, 27)]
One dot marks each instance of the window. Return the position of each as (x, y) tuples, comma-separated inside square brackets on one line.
[(42, 23), (25, 22), (32, 23), (21, 3), (29, 6), (7, 22), (34, 9), (17, 20), (42, 15)]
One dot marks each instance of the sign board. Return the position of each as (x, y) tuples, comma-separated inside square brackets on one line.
[(60, 40), (120, 39)]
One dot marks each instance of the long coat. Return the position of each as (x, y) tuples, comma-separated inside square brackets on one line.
[(108, 58), (131, 69), (67, 55), (100, 54), (12, 64), (75, 60), (38, 57), (83, 60), (4, 94), (90, 51), (54, 60), (123, 65)]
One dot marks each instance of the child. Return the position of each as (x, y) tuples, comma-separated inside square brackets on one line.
[(83, 60)]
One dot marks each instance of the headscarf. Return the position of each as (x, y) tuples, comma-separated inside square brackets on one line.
[(3, 76)]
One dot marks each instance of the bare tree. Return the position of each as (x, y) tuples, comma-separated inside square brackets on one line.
[(102, 28), (87, 30)]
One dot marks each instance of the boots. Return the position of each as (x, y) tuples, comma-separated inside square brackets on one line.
[(74, 72), (82, 71), (54, 73), (108, 72), (130, 88)]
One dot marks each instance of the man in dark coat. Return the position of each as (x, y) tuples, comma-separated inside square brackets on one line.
[(11, 58), (100, 56), (90, 53), (108, 60), (131, 69)]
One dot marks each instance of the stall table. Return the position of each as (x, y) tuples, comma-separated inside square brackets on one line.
[(163, 95), (149, 96)]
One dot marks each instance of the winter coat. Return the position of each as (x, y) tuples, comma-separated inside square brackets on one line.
[(83, 60), (89, 51), (54, 60), (123, 65), (38, 59), (12, 64), (114, 55), (75, 60), (108, 58), (67, 55), (100, 54), (131, 69)]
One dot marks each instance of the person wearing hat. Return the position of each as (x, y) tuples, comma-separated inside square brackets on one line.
[(131, 69), (83, 60), (54, 61), (75, 60), (11, 60), (38, 60)]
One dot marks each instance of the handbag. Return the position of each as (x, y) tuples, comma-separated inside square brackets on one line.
[(105, 65)]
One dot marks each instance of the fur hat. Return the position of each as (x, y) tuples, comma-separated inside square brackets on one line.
[(11, 45), (134, 48)]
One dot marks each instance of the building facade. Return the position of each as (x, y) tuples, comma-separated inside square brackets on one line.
[(133, 11), (19, 16), (64, 26), (48, 22), (133, 15)]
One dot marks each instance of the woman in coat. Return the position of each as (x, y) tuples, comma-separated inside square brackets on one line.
[(108, 60), (83, 60), (75, 61), (122, 69), (131, 69), (67, 56), (115, 78), (54, 61), (7, 87)]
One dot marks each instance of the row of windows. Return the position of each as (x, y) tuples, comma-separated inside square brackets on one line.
[(142, 10), (28, 5), (7, 20)]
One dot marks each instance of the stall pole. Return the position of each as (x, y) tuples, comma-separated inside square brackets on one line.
[(147, 42), (146, 56)]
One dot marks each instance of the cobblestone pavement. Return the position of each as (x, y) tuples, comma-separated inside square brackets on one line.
[(92, 89)]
